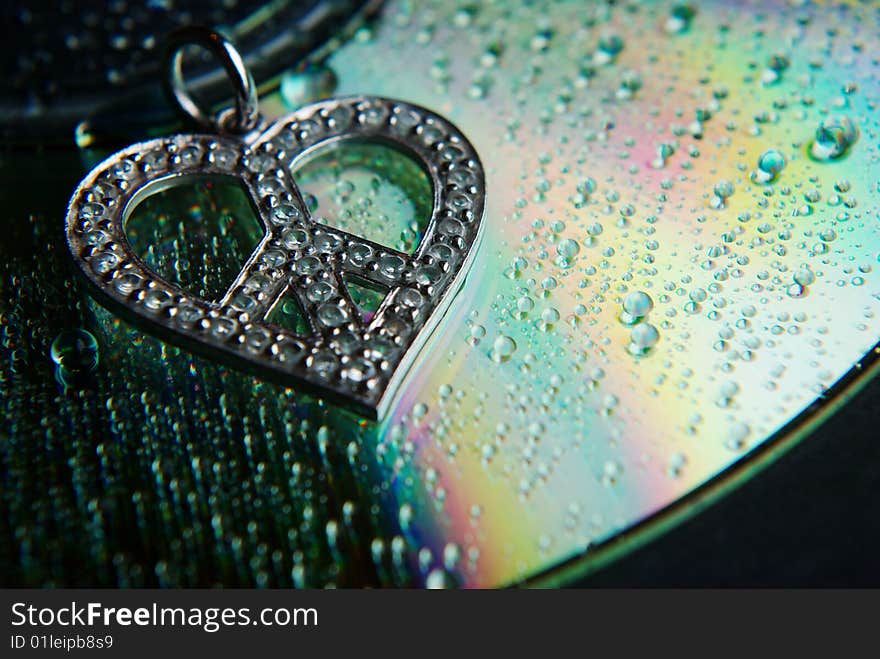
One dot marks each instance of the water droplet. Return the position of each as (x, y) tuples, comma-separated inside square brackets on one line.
[(679, 19), (568, 248), (75, 351), (637, 305), (309, 84), (804, 276), (770, 164), (737, 435), (642, 338), (833, 139), (503, 349), (724, 189)]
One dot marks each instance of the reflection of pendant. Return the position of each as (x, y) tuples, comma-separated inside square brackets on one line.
[(344, 357)]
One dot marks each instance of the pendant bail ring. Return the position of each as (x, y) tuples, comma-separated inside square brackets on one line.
[(241, 118)]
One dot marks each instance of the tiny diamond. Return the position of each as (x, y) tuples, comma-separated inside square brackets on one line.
[(104, 262), (359, 254), (223, 327), (391, 265), (308, 265), (410, 297), (323, 364), (332, 315), (286, 214), (327, 243), (294, 238), (127, 282), (156, 299), (288, 351), (359, 370), (320, 291), (222, 157), (188, 314)]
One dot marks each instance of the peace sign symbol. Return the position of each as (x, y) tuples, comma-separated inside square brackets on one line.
[(343, 358)]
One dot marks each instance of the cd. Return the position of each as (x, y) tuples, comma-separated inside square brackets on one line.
[(676, 281)]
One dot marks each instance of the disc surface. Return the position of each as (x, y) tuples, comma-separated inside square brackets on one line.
[(678, 273)]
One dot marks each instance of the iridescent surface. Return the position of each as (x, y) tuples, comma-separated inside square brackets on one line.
[(368, 190), (197, 235), (612, 128), (680, 256)]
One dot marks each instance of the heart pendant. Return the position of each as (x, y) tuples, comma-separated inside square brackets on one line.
[(343, 358)]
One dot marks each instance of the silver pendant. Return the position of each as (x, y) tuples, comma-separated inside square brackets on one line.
[(344, 359)]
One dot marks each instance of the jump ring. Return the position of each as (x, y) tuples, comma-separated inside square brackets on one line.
[(246, 111)]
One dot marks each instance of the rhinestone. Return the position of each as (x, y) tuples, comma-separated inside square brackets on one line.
[(187, 314), (100, 191), (346, 343), (359, 370), (428, 274), (288, 351), (380, 348), (242, 302), (127, 282), (327, 243), (359, 254), (286, 139), (411, 298), (373, 115), (255, 283), (286, 214), (294, 238), (270, 186), (450, 153), (459, 202), (461, 178), (430, 134), (308, 265), (396, 326), (273, 258), (391, 265), (156, 299), (404, 120), (104, 262), (309, 128), (256, 340), (450, 227), (222, 157), (323, 364), (97, 238), (154, 160), (123, 169), (320, 291), (259, 162), (332, 315), (91, 211), (223, 327), (189, 156), (339, 118), (443, 253)]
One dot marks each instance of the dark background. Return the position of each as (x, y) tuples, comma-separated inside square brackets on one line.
[(812, 518)]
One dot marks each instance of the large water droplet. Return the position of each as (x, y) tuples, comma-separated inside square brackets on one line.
[(770, 164), (834, 137), (503, 349), (75, 351), (642, 338)]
